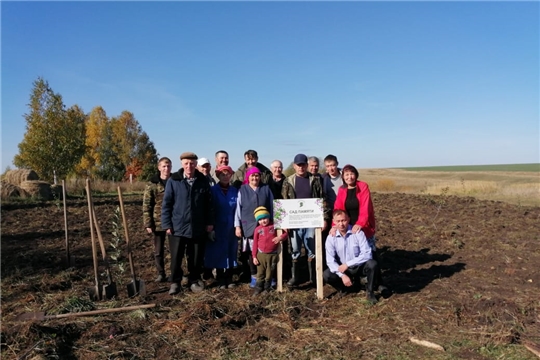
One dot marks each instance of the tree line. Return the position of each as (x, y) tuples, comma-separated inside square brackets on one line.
[(67, 142)]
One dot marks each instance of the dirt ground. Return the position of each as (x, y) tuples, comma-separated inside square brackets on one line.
[(464, 275)]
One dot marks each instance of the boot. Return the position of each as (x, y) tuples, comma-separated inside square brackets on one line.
[(267, 286), (294, 274), (312, 272), (258, 288)]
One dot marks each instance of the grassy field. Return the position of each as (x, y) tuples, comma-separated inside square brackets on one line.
[(499, 167), (517, 187)]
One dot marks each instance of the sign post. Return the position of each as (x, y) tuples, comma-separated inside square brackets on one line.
[(301, 214)]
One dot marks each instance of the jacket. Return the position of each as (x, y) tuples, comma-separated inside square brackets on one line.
[(288, 191), (239, 176), (152, 201), (187, 210), (366, 214)]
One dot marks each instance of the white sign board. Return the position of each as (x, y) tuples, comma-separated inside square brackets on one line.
[(298, 213)]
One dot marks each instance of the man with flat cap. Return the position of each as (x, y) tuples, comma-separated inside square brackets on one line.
[(187, 216)]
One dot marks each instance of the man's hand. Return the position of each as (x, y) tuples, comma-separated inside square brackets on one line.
[(255, 261), (238, 231), (346, 280), (169, 231), (149, 230), (342, 268), (209, 228), (356, 229)]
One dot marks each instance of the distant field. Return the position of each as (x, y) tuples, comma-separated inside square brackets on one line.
[(500, 167), (521, 185)]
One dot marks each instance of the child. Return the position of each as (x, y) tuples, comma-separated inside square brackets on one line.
[(264, 251)]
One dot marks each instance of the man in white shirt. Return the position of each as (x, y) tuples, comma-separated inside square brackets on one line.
[(348, 256)]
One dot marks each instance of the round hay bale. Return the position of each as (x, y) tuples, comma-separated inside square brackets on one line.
[(17, 176), (9, 190), (37, 189)]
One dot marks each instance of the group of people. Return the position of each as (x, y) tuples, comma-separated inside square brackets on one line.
[(216, 219)]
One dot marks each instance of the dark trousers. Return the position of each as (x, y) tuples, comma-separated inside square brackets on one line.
[(193, 248), (368, 269), (159, 251), (266, 270)]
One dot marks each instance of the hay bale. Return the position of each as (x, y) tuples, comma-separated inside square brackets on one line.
[(17, 176), (9, 190), (37, 189)]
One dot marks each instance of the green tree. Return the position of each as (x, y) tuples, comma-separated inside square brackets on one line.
[(54, 138)]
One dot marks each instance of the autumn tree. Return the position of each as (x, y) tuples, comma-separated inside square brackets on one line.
[(54, 138), (96, 127)]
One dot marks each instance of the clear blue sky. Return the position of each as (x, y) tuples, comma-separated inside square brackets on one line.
[(389, 84)]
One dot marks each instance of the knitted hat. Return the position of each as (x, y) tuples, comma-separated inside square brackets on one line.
[(261, 213), (251, 170), (188, 155)]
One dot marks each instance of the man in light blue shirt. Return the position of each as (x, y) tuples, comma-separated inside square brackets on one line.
[(348, 256)]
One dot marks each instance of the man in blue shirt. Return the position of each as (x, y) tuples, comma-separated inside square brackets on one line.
[(348, 256)]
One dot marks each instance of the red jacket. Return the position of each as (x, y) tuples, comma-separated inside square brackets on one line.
[(366, 215), (262, 239)]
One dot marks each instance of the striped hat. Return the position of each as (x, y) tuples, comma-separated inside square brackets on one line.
[(261, 213)]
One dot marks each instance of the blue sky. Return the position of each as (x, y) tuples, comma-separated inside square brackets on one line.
[(388, 84)]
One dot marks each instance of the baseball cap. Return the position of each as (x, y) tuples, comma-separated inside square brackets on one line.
[(300, 159)]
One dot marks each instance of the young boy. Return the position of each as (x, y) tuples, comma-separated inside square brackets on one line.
[(264, 251)]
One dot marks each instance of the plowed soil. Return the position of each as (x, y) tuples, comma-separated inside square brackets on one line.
[(464, 274)]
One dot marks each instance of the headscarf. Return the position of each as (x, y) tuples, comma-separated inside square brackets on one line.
[(251, 170)]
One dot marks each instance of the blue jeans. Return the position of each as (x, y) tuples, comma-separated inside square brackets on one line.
[(303, 236)]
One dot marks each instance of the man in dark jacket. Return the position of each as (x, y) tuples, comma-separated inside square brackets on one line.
[(187, 216)]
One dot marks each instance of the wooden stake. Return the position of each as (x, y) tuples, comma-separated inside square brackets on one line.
[(68, 256), (319, 263), (280, 264)]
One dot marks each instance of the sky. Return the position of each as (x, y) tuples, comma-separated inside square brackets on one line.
[(378, 84)]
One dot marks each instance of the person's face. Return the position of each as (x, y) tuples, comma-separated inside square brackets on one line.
[(313, 167), (222, 159), (205, 169), (350, 178), (341, 221), (164, 168), (254, 179), (250, 161), (189, 166), (331, 168), (224, 177), (277, 169), (300, 169), (264, 222)]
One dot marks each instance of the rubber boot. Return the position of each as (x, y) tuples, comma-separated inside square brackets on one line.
[(258, 288), (268, 286), (312, 272), (294, 274)]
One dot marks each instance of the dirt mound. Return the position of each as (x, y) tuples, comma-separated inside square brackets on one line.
[(17, 176)]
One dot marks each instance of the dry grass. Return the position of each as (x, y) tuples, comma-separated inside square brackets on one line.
[(76, 187), (521, 188)]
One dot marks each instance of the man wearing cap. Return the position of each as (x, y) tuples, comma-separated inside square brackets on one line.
[(222, 159), (204, 166), (251, 160), (303, 185), (187, 216)]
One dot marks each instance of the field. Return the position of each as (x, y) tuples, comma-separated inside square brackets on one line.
[(464, 274)]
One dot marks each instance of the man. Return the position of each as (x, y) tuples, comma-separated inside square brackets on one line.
[(203, 165), (187, 216), (331, 179), (152, 201), (277, 179), (349, 256), (251, 158), (303, 185), (313, 165), (221, 159)]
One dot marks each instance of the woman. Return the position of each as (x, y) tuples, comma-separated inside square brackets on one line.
[(355, 199), (251, 195), (221, 250)]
